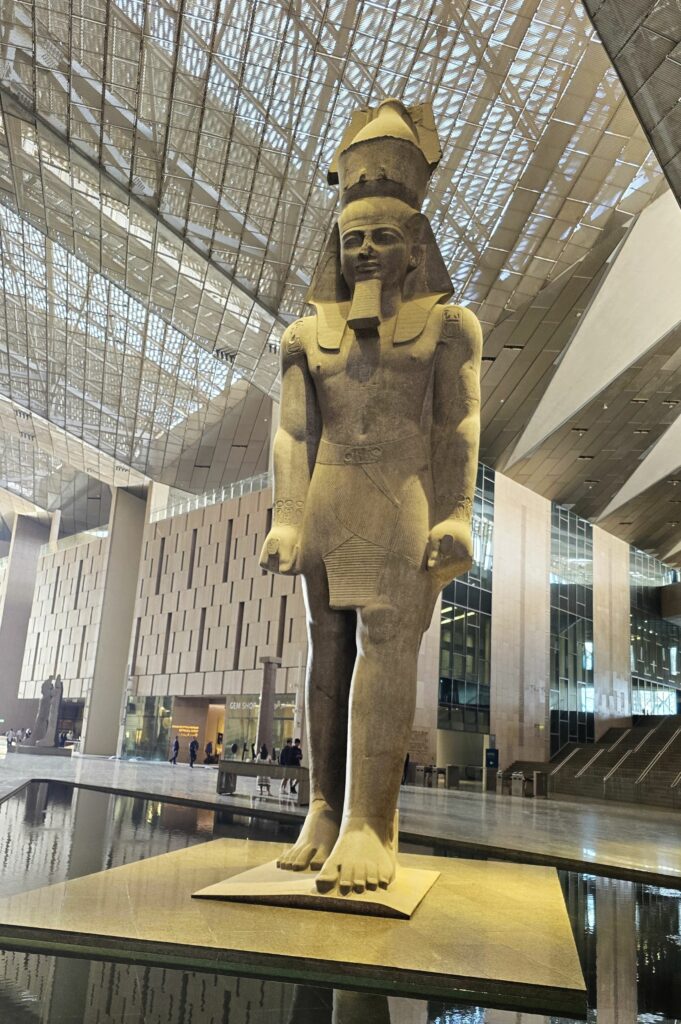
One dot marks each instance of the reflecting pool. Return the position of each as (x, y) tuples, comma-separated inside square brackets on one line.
[(628, 935)]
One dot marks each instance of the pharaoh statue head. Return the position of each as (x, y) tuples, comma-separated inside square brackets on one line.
[(381, 241)]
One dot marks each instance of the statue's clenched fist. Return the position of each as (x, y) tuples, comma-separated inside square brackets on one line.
[(449, 551), (280, 550)]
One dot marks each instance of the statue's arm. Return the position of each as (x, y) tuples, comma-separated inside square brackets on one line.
[(294, 450), (455, 441)]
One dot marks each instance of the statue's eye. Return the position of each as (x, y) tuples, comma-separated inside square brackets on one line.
[(352, 240), (386, 236)]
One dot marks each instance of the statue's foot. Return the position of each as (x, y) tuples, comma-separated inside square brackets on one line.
[(315, 842), (360, 860)]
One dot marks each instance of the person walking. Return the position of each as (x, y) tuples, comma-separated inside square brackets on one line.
[(175, 750), (285, 760), (296, 758), (193, 751), (262, 781)]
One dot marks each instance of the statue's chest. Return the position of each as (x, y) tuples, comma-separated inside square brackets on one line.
[(373, 363)]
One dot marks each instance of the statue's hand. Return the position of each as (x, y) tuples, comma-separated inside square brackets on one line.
[(450, 548), (280, 550)]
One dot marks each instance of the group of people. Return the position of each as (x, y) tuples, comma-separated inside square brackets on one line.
[(290, 756), (193, 751), (17, 736)]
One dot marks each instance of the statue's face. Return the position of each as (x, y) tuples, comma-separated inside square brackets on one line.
[(374, 249)]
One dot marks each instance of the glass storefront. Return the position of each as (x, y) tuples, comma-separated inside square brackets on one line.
[(241, 723), (466, 625), (572, 646), (148, 722), (655, 642)]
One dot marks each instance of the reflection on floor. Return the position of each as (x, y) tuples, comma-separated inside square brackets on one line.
[(628, 935), (625, 838)]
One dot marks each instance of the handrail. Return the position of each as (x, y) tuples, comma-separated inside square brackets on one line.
[(235, 490), (589, 763), (649, 767)]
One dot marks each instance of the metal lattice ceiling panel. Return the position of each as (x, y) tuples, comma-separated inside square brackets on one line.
[(165, 167)]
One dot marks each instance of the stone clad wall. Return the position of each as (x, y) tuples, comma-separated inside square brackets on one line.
[(207, 614), (64, 624), (612, 651), (203, 618)]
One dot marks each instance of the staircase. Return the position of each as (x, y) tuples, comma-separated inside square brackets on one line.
[(639, 764)]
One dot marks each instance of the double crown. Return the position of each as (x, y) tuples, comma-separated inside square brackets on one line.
[(391, 150)]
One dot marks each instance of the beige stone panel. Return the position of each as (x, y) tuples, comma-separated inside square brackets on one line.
[(521, 622), (612, 630)]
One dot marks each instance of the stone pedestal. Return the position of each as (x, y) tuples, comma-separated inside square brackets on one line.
[(519, 951)]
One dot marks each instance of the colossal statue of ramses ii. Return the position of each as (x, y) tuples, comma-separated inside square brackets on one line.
[(375, 464)]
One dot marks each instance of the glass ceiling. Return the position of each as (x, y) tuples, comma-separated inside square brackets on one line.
[(163, 182)]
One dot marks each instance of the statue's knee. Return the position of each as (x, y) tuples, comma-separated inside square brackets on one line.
[(379, 624)]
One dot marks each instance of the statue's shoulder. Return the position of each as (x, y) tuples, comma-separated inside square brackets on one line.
[(297, 337), (460, 324)]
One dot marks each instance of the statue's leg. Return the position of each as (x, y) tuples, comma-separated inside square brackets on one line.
[(331, 658), (382, 704)]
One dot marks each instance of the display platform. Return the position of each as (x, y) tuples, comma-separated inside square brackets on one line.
[(268, 885), (488, 933)]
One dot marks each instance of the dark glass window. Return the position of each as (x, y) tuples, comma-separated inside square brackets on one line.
[(571, 699), (655, 642), (466, 626)]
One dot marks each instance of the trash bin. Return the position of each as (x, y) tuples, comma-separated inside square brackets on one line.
[(517, 783), (500, 783), (452, 776), (541, 784)]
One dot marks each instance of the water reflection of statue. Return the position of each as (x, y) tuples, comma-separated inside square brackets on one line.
[(311, 1005), (47, 719), (375, 462)]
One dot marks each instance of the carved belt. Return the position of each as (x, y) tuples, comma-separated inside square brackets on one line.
[(329, 454)]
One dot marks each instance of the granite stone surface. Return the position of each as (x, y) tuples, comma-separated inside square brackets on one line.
[(518, 952)]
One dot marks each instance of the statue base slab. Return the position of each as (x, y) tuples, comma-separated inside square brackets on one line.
[(487, 933), (270, 886), (23, 748)]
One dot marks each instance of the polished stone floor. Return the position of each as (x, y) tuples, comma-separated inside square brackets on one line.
[(627, 840)]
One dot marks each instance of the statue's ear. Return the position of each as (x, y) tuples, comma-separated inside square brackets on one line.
[(328, 283), (429, 274)]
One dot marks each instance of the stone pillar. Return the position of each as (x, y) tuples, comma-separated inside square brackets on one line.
[(521, 623), (28, 537), (103, 708), (612, 632), (266, 713)]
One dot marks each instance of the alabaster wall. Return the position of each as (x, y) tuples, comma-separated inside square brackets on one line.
[(612, 665), (65, 616), (520, 622), (206, 612)]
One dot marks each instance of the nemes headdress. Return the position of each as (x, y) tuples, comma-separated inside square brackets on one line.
[(386, 152)]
